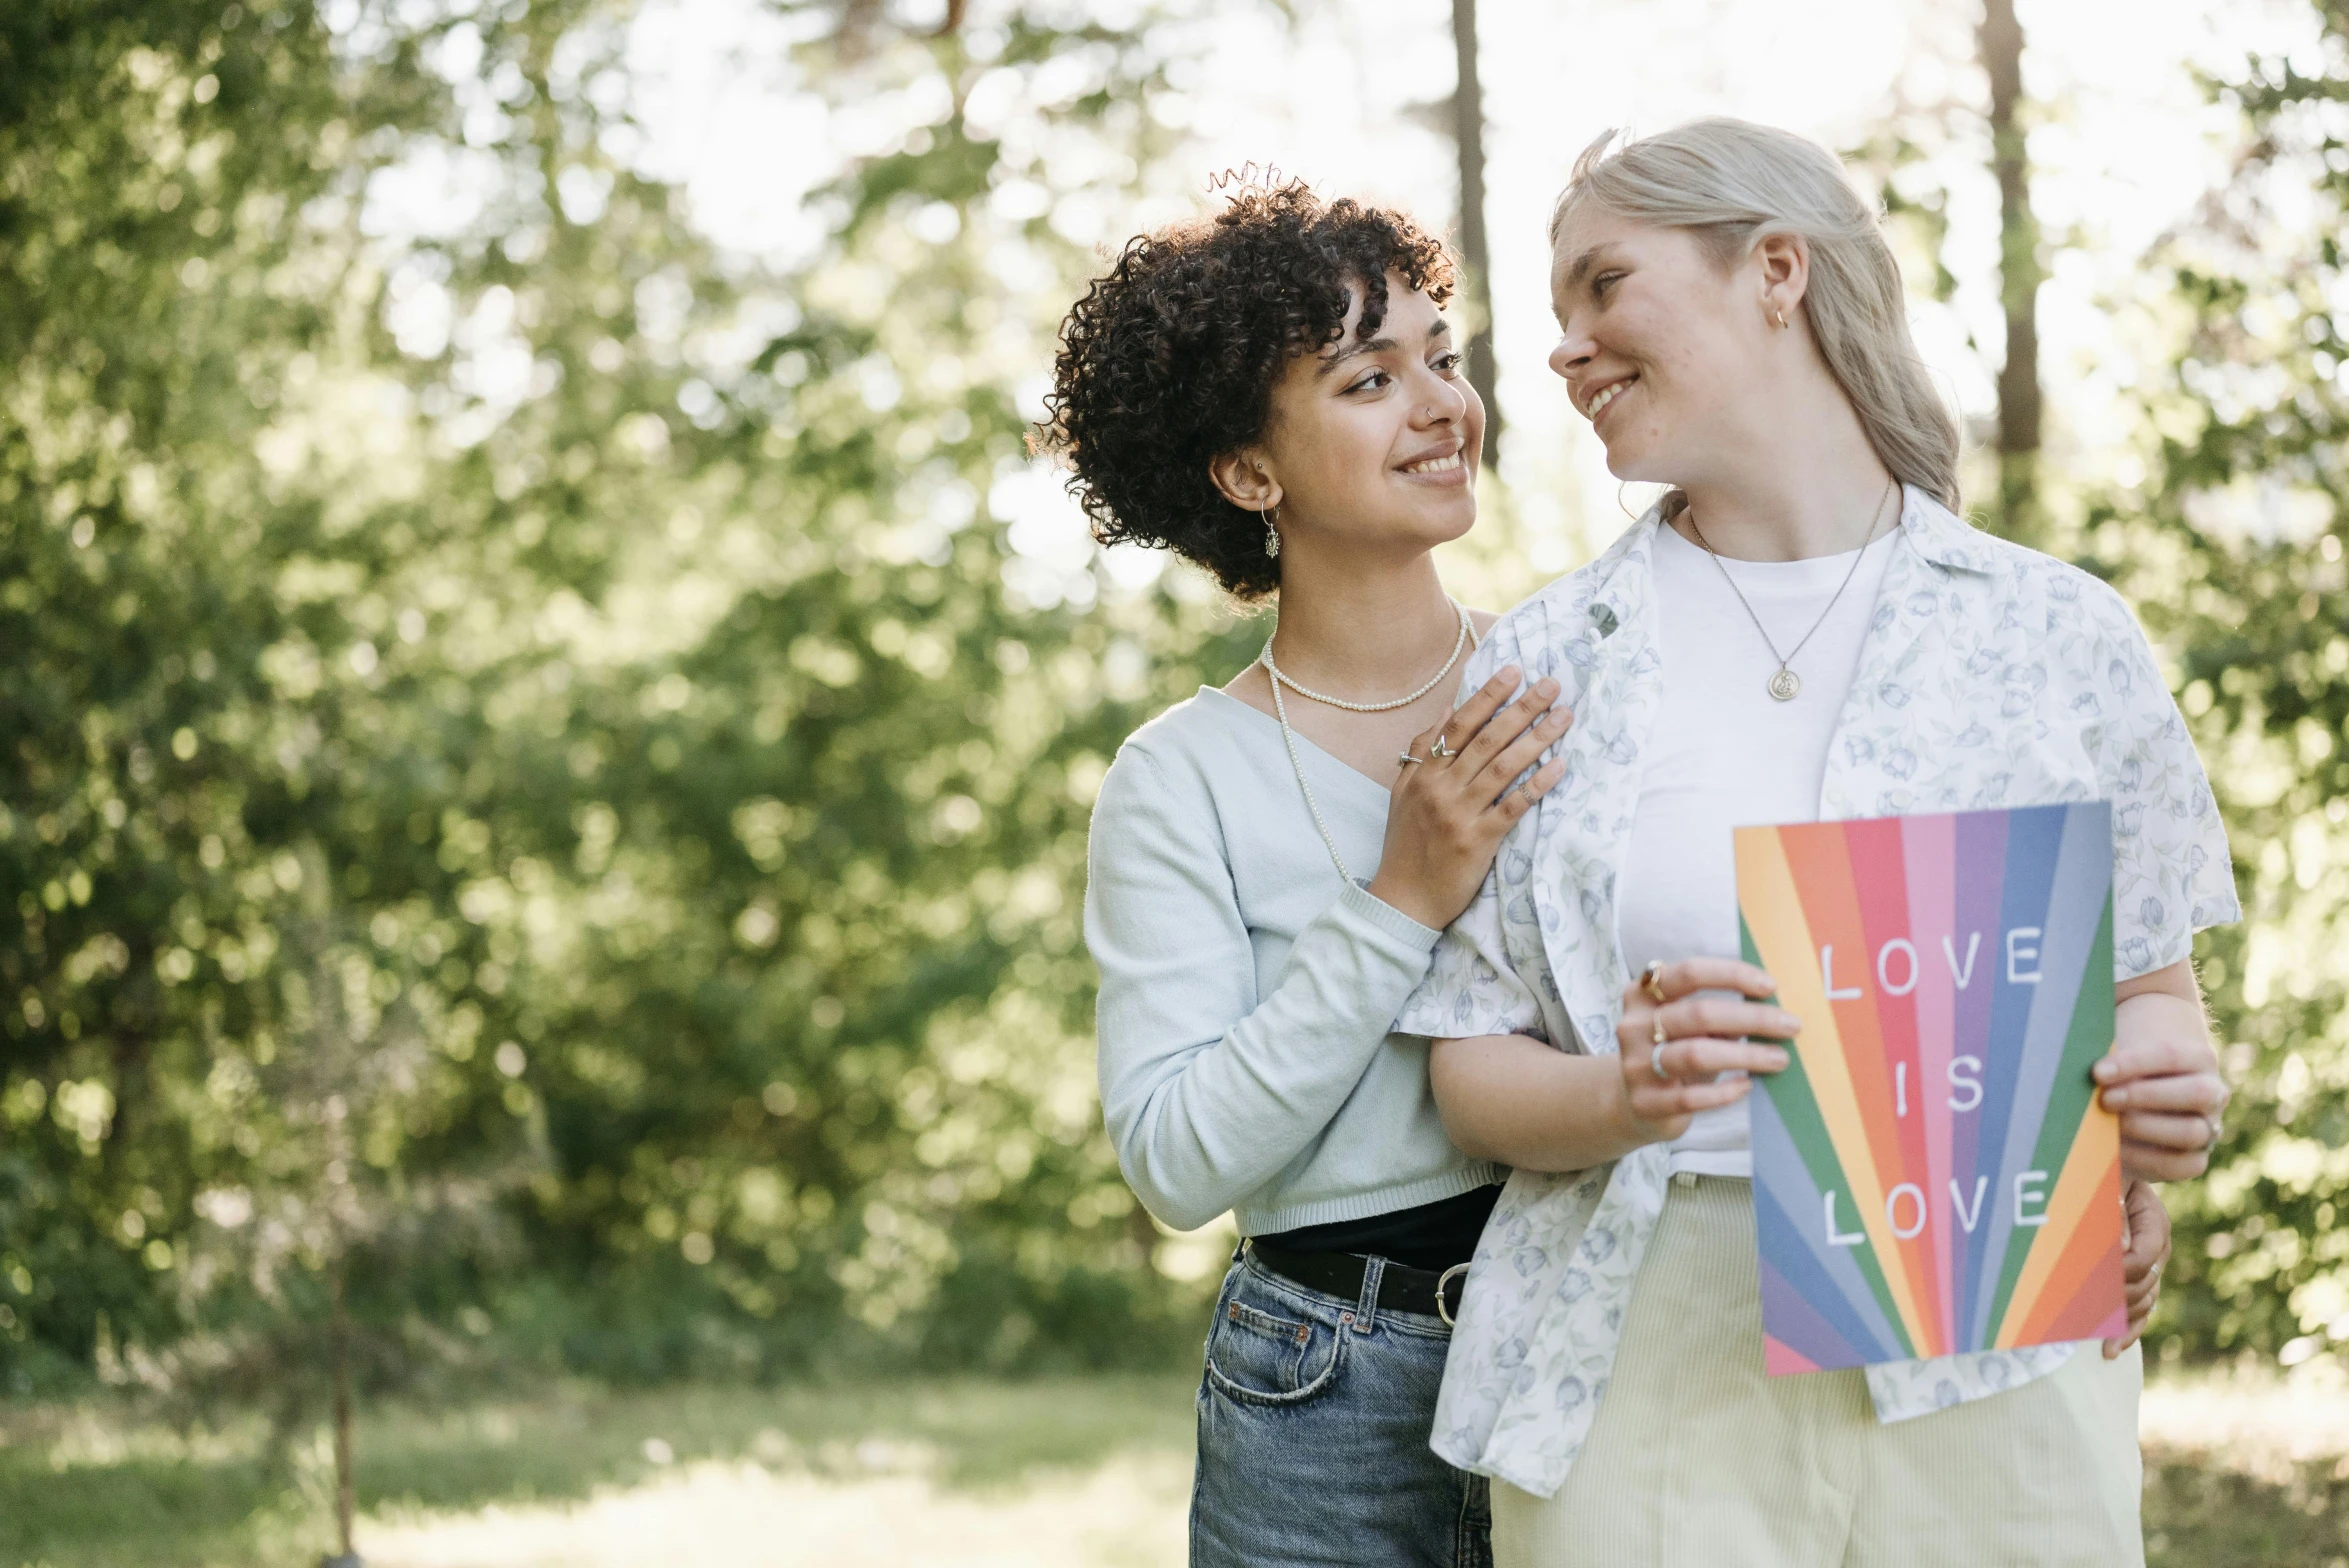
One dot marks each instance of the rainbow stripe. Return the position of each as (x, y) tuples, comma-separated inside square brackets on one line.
[(1933, 1173)]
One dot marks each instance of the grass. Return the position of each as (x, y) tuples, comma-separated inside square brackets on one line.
[(2241, 1473), (90, 1486)]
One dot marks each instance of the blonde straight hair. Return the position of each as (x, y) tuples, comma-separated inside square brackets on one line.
[(1735, 183)]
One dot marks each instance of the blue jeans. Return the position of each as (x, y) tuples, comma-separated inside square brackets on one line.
[(1314, 1415)]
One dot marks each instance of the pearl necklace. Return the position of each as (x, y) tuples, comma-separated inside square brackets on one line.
[(1467, 638), (1279, 680)]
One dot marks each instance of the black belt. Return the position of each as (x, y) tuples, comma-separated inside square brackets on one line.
[(1401, 1289)]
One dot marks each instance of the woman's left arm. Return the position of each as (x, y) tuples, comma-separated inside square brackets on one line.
[(2172, 876), (2162, 1076)]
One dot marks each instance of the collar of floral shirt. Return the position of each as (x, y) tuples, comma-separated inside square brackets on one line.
[(1621, 679)]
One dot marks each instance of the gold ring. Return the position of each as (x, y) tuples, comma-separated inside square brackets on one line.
[(1651, 980)]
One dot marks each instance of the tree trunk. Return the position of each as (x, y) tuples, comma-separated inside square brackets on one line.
[(2018, 273), (1468, 135), (340, 1340)]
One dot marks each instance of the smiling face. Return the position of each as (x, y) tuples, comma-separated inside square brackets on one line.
[(1666, 351), (1370, 444)]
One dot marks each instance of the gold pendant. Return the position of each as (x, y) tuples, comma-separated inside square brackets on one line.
[(1785, 684)]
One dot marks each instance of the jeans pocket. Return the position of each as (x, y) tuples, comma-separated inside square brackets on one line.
[(1257, 1357)]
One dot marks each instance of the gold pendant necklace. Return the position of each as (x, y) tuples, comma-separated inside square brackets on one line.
[(1785, 684)]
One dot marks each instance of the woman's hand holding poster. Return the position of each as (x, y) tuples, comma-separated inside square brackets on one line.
[(1932, 1174)]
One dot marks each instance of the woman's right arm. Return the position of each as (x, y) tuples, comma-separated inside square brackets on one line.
[(1208, 1088), (1516, 1101)]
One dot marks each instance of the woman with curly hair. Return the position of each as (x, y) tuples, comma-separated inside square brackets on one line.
[(1275, 395)]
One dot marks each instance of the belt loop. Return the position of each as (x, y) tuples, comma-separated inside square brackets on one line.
[(1374, 1273)]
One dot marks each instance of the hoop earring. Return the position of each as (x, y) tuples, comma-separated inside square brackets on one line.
[(1272, 532), (1619, 506), (1781, 315)]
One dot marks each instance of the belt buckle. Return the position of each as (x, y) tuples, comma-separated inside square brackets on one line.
[(1444, 1284)]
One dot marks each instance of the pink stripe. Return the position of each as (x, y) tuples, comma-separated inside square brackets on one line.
[(1929, 847)]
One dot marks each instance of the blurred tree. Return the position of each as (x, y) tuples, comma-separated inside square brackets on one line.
[(199, 642), (2020, 272), (1921, 148), (827, 1041), (1475, 252), (2232, 547), (544, 763)]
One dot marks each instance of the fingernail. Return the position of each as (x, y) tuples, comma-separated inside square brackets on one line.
[(1547, 686), (2104, 1068), (2115, 1099)]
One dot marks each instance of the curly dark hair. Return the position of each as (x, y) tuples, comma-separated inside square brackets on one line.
[(1170, 359)]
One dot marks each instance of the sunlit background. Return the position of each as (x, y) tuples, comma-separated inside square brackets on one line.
[(550, 715), (2126, 143)]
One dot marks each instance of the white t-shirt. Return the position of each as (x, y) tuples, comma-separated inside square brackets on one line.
[(1726, 754)]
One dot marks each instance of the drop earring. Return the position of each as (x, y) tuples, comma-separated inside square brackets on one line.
[(1272, 534)]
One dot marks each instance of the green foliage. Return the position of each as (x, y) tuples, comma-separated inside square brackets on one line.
[(2234, 553), (537, 774), (544, 764)]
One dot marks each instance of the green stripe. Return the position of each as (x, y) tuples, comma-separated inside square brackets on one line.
[(1791, 1095), (2090, 1036)]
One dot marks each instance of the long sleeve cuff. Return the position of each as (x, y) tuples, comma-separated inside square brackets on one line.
[(1388, 921)]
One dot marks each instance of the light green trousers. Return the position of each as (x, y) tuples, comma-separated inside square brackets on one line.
[(1700, 1460)]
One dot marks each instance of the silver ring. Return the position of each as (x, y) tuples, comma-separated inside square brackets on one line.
[(2211, 1125), (1441, 748), (1656, 1065), (1404, 756)]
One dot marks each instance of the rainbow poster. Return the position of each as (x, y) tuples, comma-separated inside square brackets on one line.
[(1932, 1174)]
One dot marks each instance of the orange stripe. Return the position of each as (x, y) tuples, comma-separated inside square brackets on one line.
[(2083, 1215), (1780, 923), (2099, 1310), (1821, 863), (2084, 1264)]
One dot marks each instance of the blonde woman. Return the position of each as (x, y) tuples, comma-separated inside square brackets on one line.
[(1802, 629)]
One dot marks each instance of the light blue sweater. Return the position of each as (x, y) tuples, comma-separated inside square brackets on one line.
[(1247, 993)]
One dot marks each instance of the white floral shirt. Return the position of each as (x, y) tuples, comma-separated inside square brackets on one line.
[(1990, 676)]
